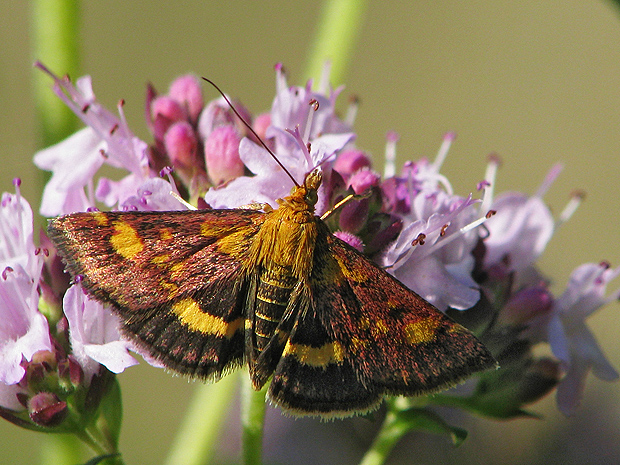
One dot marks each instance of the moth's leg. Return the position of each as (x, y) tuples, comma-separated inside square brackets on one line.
[(344, 201), (257, 206)]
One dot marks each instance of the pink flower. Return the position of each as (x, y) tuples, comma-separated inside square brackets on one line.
[(74, 161), (221, 151), (431, 255), (521, 228), (295, 122), (23, 330), (570, 339), (94, 334)]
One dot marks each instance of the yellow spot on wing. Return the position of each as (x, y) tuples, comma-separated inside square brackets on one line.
[(421, 331), (126, 240), (191, 315), (322, 356), (100, 218), (358, 344), (165, 234), (161, 259), (351, 271), (377, 327)]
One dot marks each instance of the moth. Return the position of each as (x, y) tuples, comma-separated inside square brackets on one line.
[(206, 291)]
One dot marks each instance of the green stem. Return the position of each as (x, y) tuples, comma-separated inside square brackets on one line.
[(60, 449), (390, 433), (54, 32), (252, 421), (202, 423), (339, 27)]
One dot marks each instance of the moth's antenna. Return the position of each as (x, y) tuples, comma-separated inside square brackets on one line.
[(252, 130)]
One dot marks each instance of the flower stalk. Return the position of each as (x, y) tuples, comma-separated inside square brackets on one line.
[(253, 408)]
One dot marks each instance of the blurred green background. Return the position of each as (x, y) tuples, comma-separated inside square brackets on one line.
[(536, 82)]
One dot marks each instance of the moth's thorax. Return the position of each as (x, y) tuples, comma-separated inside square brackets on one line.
[(285, 242)]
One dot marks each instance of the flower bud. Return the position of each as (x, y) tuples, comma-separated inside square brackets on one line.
[(261, 123), (350, 239), (218, 113), (46, 409), (164, 112), (181, 146), (396, 196), (540, 378), (363, 179), (525, 305), (187, 91), (222, 155), (350, 161)]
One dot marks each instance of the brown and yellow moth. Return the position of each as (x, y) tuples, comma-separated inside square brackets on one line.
[(206, 291)]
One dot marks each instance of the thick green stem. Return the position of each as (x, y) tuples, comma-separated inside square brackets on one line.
[(54, 33), (252, 420), (336, 36), (202, 423), (390, 433)]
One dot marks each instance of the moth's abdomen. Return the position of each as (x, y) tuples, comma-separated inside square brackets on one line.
[(272, 297)]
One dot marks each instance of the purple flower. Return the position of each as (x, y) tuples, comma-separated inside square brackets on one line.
[(521, 229), (570, 339), (298, 117), (439, 273), (431, 255), (16, 237), (94, 334), (74, 161), (23, 330), (154, 194)]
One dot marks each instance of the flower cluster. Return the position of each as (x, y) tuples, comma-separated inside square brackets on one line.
[(56, 343)]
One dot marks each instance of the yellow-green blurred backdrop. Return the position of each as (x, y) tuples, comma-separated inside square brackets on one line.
[(536, 82)]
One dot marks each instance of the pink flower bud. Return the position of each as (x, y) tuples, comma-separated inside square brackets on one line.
[(188, 92), (525, 305), (164, 112), (222, 155), (351, 239), (261, 123), (46, 409), (363, 179), (181, 145), (350, 161)]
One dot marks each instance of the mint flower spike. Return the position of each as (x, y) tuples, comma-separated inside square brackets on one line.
[(571, 340), (23, 329), (75, 160)]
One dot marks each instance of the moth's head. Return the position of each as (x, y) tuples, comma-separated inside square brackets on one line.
[(304, 197), (311, 186)]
